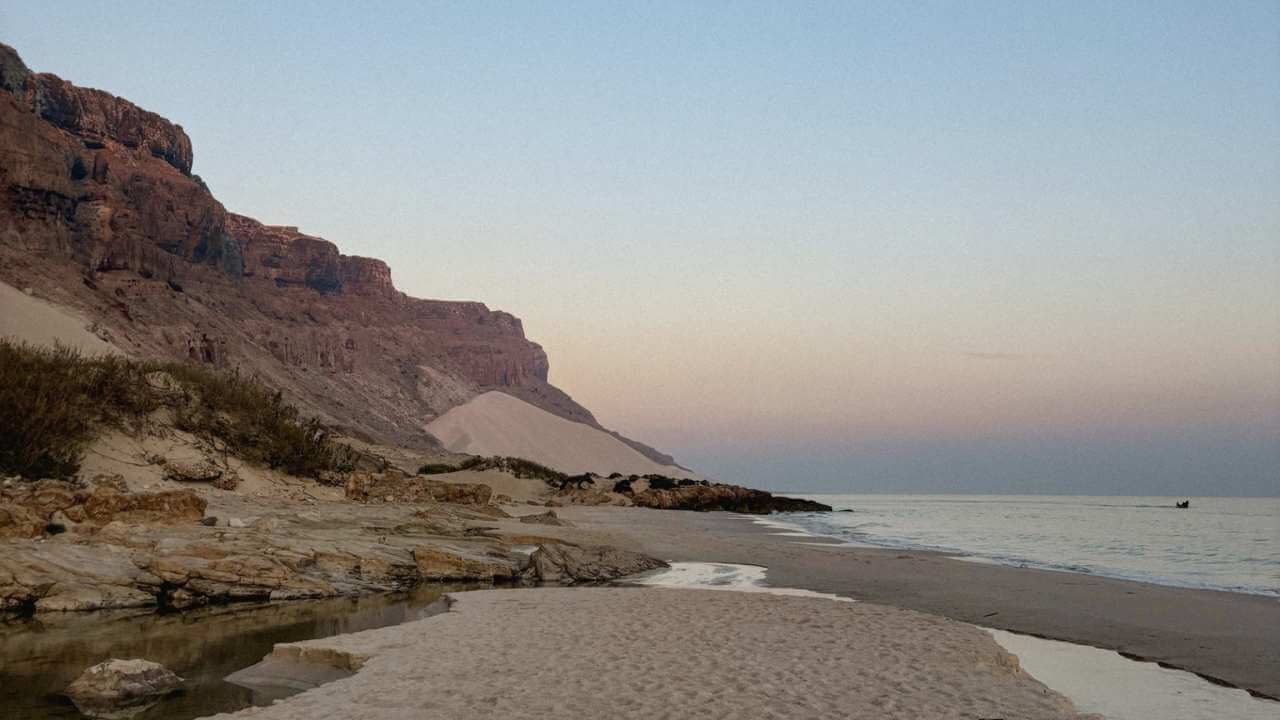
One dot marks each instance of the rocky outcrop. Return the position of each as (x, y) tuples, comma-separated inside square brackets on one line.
[(121, 688), (439, 563), (288, 551), (394, 486), (567, 564), (730, 498), (32, 509), (547, 518), (99, 211)]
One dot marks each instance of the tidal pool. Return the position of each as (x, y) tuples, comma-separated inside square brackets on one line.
[(41, 655)]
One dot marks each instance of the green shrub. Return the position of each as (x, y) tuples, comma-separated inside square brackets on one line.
[(53, 400), (436, 469)]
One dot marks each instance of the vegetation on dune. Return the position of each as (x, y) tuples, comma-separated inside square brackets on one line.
[(53, 401), (518, 467)]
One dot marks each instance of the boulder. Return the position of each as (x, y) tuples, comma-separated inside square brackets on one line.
[(459, 493), (121, 688), (547, 518), (569, 564)]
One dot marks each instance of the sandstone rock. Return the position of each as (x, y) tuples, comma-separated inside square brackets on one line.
[(445, 563), (17, 521), (568, 564), (120, 688), (30, 505), (396, 486), (547, 518), (459, 493), (168, 507), (191, 471)]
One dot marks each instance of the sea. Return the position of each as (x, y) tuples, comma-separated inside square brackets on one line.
[(1230, 544)]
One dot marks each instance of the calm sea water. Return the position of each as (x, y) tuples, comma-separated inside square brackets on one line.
[(1221, 543)]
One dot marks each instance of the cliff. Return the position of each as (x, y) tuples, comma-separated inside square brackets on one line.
[(99, 211)]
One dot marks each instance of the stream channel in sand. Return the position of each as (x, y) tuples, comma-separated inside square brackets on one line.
[(41, 655)]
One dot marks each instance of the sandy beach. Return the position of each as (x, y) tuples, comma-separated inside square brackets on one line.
[(908, 648), (663, 653), (1232, 637)]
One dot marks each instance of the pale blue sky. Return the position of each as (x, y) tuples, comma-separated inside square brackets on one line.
[(997, 246)]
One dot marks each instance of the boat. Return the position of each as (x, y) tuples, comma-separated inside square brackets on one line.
[(1182, 505)]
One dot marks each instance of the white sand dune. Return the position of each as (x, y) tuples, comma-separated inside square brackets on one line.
[(35, 321), (498, 424)]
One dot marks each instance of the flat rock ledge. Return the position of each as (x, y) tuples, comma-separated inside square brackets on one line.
[(660, 652)]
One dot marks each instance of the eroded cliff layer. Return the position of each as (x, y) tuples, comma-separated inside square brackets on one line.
[(99, 211)]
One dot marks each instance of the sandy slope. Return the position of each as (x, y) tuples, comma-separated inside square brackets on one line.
[(23, 317), (663, 653), (498, 424)]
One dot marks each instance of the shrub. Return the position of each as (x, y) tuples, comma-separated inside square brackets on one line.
[(436, 469), (50, 402), (53, 400)]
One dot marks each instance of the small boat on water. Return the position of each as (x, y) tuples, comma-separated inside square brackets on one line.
[(1182, 505)]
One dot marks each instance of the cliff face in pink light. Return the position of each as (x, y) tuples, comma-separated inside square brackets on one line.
[(99, 211)]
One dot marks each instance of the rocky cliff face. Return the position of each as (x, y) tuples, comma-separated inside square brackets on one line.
[(98, 210)]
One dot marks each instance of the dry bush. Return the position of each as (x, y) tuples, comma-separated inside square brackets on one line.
[(53, 401)]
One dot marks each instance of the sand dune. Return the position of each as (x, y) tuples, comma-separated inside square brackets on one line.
[(498, 424), (29, 319)]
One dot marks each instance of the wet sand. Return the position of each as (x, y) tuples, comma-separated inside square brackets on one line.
[(1230, 637)]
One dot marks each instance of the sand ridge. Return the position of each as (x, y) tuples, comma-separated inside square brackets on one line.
[(670, 653), (496, 423)]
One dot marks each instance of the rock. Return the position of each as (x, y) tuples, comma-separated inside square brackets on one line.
[(169, 507), (17, 521), (730, 498), (459, 493), (568, 564), (396, 486), (120, 688), (113, 482), (33, 505), (446, 563), (209, 521), (191, 471), (547, 518), (237, 523)]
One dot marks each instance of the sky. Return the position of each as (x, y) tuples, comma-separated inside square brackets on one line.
[(899, 247)]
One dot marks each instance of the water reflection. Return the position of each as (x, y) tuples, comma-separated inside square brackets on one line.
[(41, 655)]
